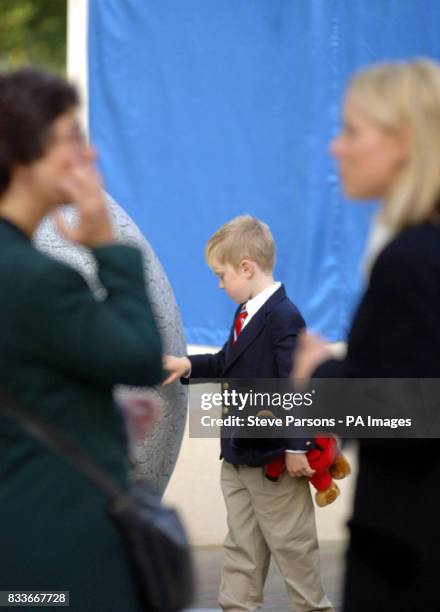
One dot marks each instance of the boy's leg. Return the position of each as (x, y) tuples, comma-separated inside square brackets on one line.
[(285, 514), (246, 555)]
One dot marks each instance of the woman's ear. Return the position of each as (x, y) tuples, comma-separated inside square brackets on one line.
[(22, 173), (403, 144)]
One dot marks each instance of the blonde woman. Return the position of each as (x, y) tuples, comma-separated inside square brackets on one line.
[(389, 149)]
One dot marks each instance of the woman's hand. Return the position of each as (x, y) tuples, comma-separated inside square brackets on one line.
[(310, 353), (177, 367), (94, 227)]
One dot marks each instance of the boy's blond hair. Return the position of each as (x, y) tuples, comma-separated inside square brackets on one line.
[(242, 238)]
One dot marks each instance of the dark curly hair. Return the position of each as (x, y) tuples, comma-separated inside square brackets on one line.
[(30, 101)]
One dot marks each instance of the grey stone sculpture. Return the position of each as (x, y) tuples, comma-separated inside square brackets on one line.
[(154, 458)]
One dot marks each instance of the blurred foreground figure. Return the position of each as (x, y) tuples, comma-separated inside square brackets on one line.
[(61, 353), (389, 149)]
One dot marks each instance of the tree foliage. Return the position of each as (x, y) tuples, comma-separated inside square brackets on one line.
[(33, 32)]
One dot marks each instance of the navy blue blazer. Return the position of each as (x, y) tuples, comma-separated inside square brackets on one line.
[(264, 349)]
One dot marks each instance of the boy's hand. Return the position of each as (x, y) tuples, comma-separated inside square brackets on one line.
[(177, 366), (298, 465)]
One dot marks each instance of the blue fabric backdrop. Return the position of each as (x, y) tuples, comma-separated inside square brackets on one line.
[(206, 109)]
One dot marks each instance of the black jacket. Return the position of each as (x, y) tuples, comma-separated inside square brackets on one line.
[(393, 558)]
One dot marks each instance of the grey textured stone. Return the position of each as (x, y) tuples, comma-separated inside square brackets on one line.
[(153, 459)]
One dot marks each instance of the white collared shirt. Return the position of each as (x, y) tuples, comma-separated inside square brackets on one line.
[(254, 304)]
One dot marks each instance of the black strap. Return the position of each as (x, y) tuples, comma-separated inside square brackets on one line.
[(63, 446)]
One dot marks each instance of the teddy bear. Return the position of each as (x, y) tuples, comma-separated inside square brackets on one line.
[(329, 463)]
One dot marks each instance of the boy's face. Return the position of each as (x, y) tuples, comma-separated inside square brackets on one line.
[(235, 281)]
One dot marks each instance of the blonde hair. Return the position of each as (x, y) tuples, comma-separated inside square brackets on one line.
[(242, 238), (406, 96)]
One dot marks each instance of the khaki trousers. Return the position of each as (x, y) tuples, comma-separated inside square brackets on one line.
[(269, 518)]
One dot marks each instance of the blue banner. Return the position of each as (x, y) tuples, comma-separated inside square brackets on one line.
[(206, 109)]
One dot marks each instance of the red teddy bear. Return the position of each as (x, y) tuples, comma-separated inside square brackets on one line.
[(328, 461)]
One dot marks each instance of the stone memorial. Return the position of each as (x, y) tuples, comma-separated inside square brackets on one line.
[(153, 458)]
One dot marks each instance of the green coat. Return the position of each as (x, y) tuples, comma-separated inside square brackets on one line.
[(61, 352)]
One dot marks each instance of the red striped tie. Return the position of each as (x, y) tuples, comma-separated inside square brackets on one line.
[(239, 322)]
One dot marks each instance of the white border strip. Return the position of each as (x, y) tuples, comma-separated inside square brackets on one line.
[(77, 52)]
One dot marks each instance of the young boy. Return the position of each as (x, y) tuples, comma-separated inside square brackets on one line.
[(264, 518)]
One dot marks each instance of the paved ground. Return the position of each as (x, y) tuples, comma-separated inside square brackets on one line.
[(208, 563)]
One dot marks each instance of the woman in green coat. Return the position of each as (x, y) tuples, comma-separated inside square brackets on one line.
[(61, 353)]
